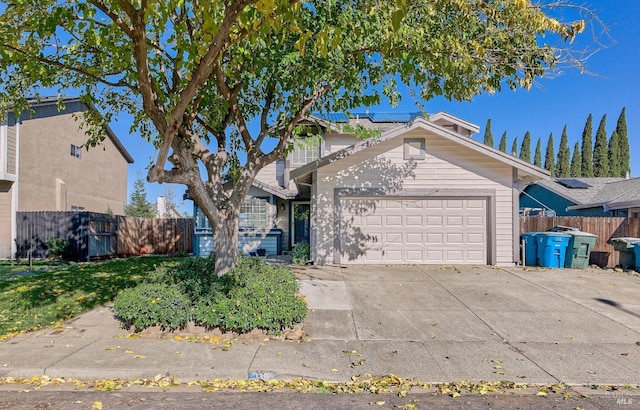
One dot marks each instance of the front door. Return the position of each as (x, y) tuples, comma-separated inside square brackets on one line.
[(301, 225)]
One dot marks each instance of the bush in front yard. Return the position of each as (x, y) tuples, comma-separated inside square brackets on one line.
[(254, 295), (263, 296), (194, 277), (152, 304)]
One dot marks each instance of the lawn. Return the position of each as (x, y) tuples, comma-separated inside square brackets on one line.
[(50, 294)]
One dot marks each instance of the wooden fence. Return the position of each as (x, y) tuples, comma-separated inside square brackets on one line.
[(93, 235), (605, 228), (154, 236)]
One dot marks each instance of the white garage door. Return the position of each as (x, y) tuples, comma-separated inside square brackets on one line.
[(429, 231)]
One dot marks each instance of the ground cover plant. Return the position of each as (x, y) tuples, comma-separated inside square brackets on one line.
[(32, 300), (253, 295)]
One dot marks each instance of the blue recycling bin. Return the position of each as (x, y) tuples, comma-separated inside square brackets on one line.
[(530, 248), (636, 249), (552, 248)]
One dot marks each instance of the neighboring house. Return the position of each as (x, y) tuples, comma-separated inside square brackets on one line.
[(166, 209), (44, 167), (420, 192), (584, 196)]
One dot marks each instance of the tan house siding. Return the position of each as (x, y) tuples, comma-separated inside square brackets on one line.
[(52, 179), (447, 167), (336, 142), (5, 219)]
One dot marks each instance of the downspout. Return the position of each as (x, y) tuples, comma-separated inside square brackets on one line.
[(14, 197)]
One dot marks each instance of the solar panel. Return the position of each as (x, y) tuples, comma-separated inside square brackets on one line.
[(573, 183)]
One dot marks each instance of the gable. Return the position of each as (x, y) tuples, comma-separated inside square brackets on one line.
[(526, 172)]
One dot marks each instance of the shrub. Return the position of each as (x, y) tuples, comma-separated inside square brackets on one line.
[(152, 304), (58, 247), (254, 295), (263, 296), (195, 277), (301, 253)]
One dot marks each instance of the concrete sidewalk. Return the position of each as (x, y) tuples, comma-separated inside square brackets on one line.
[(434, 324)]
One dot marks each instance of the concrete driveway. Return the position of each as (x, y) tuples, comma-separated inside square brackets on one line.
[(473, 323)]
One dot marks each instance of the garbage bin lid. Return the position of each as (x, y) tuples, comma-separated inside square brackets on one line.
[(580, 233), (561, 234), (625, 239)]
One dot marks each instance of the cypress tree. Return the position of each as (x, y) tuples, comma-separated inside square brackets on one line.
[(549, 157), (488, 136), (525, 149), (576, 162), (623, 138), (586, 165), (503, 143), (138, 204), (600, 157), (514, 147), (615, 162), (537, 157), (563, 168)]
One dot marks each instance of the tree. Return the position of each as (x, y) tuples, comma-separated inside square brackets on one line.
[(576, 162), (193, 74), (549, 157), (503, 142), (587, 149), (138, 204), (525, 149), (537, 158), (562, 167), (615, 163), (621, 130), (600, 156), (514, 147), (488, 137)]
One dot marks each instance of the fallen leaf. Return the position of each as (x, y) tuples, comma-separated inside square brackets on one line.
[(591, 372), (542, 393), (128, 351), (139, 356), (113, 348), (97, 405), (380, 403), (335, 370)]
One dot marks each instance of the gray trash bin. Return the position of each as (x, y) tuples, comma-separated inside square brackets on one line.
[(626, 249)]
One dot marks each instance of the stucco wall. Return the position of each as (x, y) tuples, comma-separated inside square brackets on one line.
[(51, 178), (447, 165)]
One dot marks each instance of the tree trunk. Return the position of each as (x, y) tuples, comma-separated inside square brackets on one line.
[(225, 243)]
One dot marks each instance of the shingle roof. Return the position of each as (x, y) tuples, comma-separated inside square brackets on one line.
[(578, 196), (602, 191)]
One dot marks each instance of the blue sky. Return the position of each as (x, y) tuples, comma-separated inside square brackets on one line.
[(547, 107)]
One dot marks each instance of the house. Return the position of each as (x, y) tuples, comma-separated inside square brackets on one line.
[(166, 209), (584, 196), (44, 167), (422, 191)]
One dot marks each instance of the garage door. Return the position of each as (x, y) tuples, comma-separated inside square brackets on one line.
[(429, 231)]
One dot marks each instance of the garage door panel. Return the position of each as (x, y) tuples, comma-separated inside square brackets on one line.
[(415, 238), (412, 230)]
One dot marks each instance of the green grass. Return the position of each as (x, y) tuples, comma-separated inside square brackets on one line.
[(41, 299)]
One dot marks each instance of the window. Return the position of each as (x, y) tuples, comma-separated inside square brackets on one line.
[(305, 151), (75, 208), (253, 214), (202, 223), (76, 150), (414, 148)]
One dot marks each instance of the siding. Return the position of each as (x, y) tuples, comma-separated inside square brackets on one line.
[(96, 181), (336, 142), (5, 221), (11, 150), (447, 166)]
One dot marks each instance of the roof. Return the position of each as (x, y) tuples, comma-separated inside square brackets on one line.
[(47, 101), (610, 193), (618, 194), (422, 123), (578, 196), (376, 117)]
